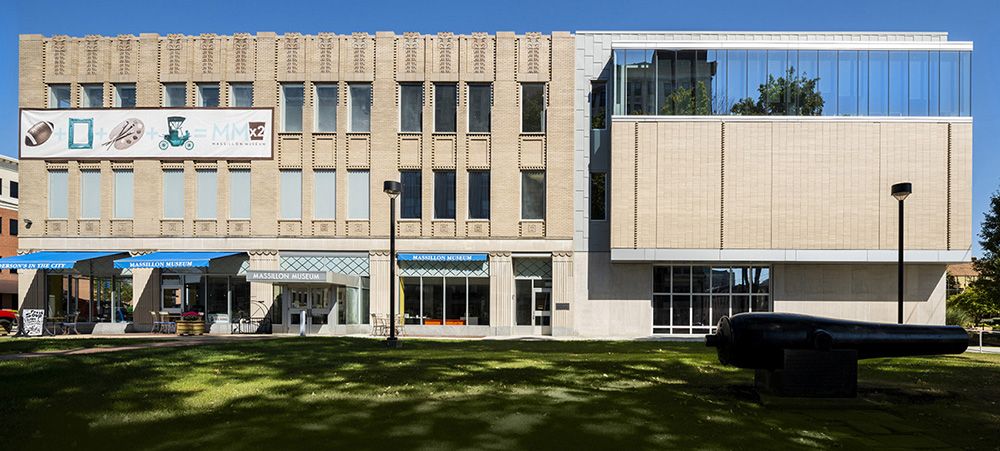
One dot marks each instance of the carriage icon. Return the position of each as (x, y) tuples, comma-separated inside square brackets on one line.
[(175, 138)]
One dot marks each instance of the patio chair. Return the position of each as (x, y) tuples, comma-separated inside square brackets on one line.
[(69, 324), (380, 325), (400, 325), (157, 322)]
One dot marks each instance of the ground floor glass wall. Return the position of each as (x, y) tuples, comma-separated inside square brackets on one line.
[(449, 301), (89, 299), (692, 299), (222, 298)]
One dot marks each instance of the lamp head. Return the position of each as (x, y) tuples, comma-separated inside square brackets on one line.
[(901, 190), (392, 188), (27, 223)]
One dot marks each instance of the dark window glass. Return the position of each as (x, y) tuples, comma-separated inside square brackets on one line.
[(898, 84), (741, 304), (847, 83), (410, 197), (444, 195), (532, 195), (208, 95), (479, 302), (700, 312), (445, 102), (760, 280), (640, 79), (533, 107), (411, 103), (661, 310), (13, 227), (682, 279), (479, 195), (598, 105), (878, 83), (454, 308), (720, 280), (125, 96), (480, 103), (682, 311), (741, 280), (661, 279), (433, 301), (361, 106), (919, 85), (522, 297), (756, 74), (720, 308), (760, 303), (598, 196), (701, 277), (292, 98), (411, 299)]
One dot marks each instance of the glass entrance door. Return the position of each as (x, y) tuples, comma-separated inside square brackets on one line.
[(533, 304), (543, 310), (315, 302)]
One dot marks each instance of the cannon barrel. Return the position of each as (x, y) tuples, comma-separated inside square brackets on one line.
[(758, 340)]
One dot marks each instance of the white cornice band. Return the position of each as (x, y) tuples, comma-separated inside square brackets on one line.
[(791, 45), (789, 255)]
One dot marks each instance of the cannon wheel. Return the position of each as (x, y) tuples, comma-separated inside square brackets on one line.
[(164, 144), (189, 145), (6, 326)]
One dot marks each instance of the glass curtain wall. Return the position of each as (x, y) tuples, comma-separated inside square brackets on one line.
[(792, 82), (692, 299)]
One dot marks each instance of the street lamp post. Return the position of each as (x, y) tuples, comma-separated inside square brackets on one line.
[(392, 188), (900, 191)]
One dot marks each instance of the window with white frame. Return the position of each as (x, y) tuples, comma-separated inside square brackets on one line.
[(173, 194), (59, 96), (239, 194), (124, 194), (480, 105), (124, 95), (360, 106), (58, 194), (208, 95), (532, 107), (532, 195), (358, 195), (326, 107), (174, 94), (292, 98), (411, 107), (241, 95), (445, 107), (291, 194), (90, 194), (92, 95), (208, 193), (325, 194)]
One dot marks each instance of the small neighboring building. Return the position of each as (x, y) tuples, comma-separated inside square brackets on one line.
[(8, 229), (963, 274)]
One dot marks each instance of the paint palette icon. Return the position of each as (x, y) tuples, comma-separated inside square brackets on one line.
[(125, 134)]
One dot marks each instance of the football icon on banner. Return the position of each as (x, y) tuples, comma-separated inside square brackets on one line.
[(38, 134)]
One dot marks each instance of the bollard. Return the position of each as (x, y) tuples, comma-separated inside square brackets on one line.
[(302, 323)]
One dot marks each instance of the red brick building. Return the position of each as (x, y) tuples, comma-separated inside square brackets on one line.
[(8, 229)]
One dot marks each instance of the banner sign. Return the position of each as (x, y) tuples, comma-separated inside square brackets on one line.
[(441, 257), (160, 133), (286, 276)]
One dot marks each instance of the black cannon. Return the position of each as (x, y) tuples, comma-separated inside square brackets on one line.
[(810, 356)]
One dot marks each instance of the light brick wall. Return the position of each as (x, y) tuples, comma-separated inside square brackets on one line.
[(789, 185), (268, 60)]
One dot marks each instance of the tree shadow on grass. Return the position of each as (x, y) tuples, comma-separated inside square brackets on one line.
[(352, 393)]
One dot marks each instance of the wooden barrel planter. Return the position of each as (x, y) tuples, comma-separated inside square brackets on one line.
[(190, 327)]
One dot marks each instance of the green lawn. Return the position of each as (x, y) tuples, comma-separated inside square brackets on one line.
[(322, 393)]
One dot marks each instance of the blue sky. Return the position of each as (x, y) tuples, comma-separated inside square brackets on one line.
[(974, 20)]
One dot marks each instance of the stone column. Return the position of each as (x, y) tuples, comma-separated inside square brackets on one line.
[(262, 293), (145, 297), (562, 293), (378, 275), (31, 289), (501, 293)]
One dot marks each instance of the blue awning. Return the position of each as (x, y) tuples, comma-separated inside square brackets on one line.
[(172, 260), (51, 259)]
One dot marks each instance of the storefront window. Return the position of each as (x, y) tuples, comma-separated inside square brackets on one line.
[(217, 299), (451, 301), (692, 299)]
